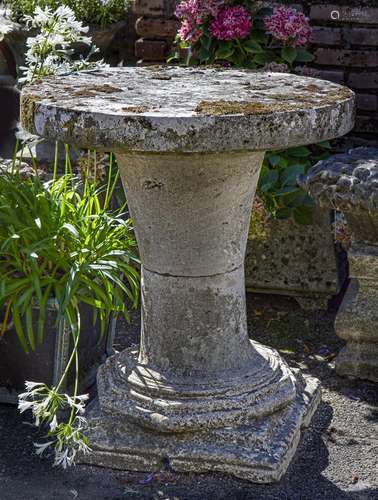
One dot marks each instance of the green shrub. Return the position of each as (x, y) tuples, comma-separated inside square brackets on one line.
[(278, 187), (87, 11)]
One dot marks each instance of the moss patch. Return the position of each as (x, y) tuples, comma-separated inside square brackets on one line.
[(259, 217), (135, 109), (91, 91), (28, 104), (224, 107), (160, 77), (244, 108)]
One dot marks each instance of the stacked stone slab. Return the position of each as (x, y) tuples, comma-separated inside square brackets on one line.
[(349, 183)]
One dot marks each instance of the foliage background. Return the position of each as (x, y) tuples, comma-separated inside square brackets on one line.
[(87, 11)]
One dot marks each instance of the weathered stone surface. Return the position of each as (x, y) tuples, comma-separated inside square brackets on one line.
[(160, 109), (298, 260), (191, 213), (259, 451), (350, 182), (194, 401), (189, 145), (180, 201), (357, 319)]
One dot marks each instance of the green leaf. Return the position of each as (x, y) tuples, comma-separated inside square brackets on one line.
[(225, 50), (284, 213), (252, 46), (289, 54), (304, 56), (299, 152), (285, 191), (303, 215), (325, 145), (206, 42), (274, 159), (173, 58), (290, 175), (258, 36), (29, 327), (268, 180), (19, 329), (263, 58), (203, 54)]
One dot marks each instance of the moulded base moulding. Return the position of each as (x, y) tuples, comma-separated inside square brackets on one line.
[(259, 451)]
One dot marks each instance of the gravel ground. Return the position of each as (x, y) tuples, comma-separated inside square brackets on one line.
[(337, 457)]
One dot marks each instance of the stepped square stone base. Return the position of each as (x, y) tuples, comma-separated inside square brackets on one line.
[(190, 144), (258, 450)]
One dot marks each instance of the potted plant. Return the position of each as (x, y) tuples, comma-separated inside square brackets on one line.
[(66, 265)]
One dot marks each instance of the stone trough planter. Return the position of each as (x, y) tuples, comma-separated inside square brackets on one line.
[(302, 261), (47, 362)]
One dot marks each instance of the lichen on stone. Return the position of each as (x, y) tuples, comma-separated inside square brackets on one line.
[(132, 110)]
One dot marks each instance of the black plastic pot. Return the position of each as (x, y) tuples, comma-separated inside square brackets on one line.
[(47, 362)]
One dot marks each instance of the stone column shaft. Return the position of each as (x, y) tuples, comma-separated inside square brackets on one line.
[(193, 295)]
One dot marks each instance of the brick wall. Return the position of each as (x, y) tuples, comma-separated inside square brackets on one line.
[(156, 27), (344, 41)]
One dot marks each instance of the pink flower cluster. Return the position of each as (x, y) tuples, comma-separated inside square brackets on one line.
[(192, 14), (189, 32), (198, 10), (289, 26), (231, 23)]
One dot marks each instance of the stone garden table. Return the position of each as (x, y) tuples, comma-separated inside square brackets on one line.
[(199, 395)]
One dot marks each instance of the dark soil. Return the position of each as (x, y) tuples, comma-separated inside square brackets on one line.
[(337, 457)]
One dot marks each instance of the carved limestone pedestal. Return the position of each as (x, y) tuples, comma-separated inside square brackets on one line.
[(197, 393), (349, 182)]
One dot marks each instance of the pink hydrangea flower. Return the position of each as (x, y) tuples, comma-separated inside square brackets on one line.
[(189, 32), (231, 22), (197, 11), (289, 26)]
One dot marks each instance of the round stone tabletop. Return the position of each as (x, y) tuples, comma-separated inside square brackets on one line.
[(168, 108)]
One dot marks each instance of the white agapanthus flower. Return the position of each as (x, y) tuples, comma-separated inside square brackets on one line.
[(42, 447), (74, 442), (49, 52), (67, 439), (78, 402)]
